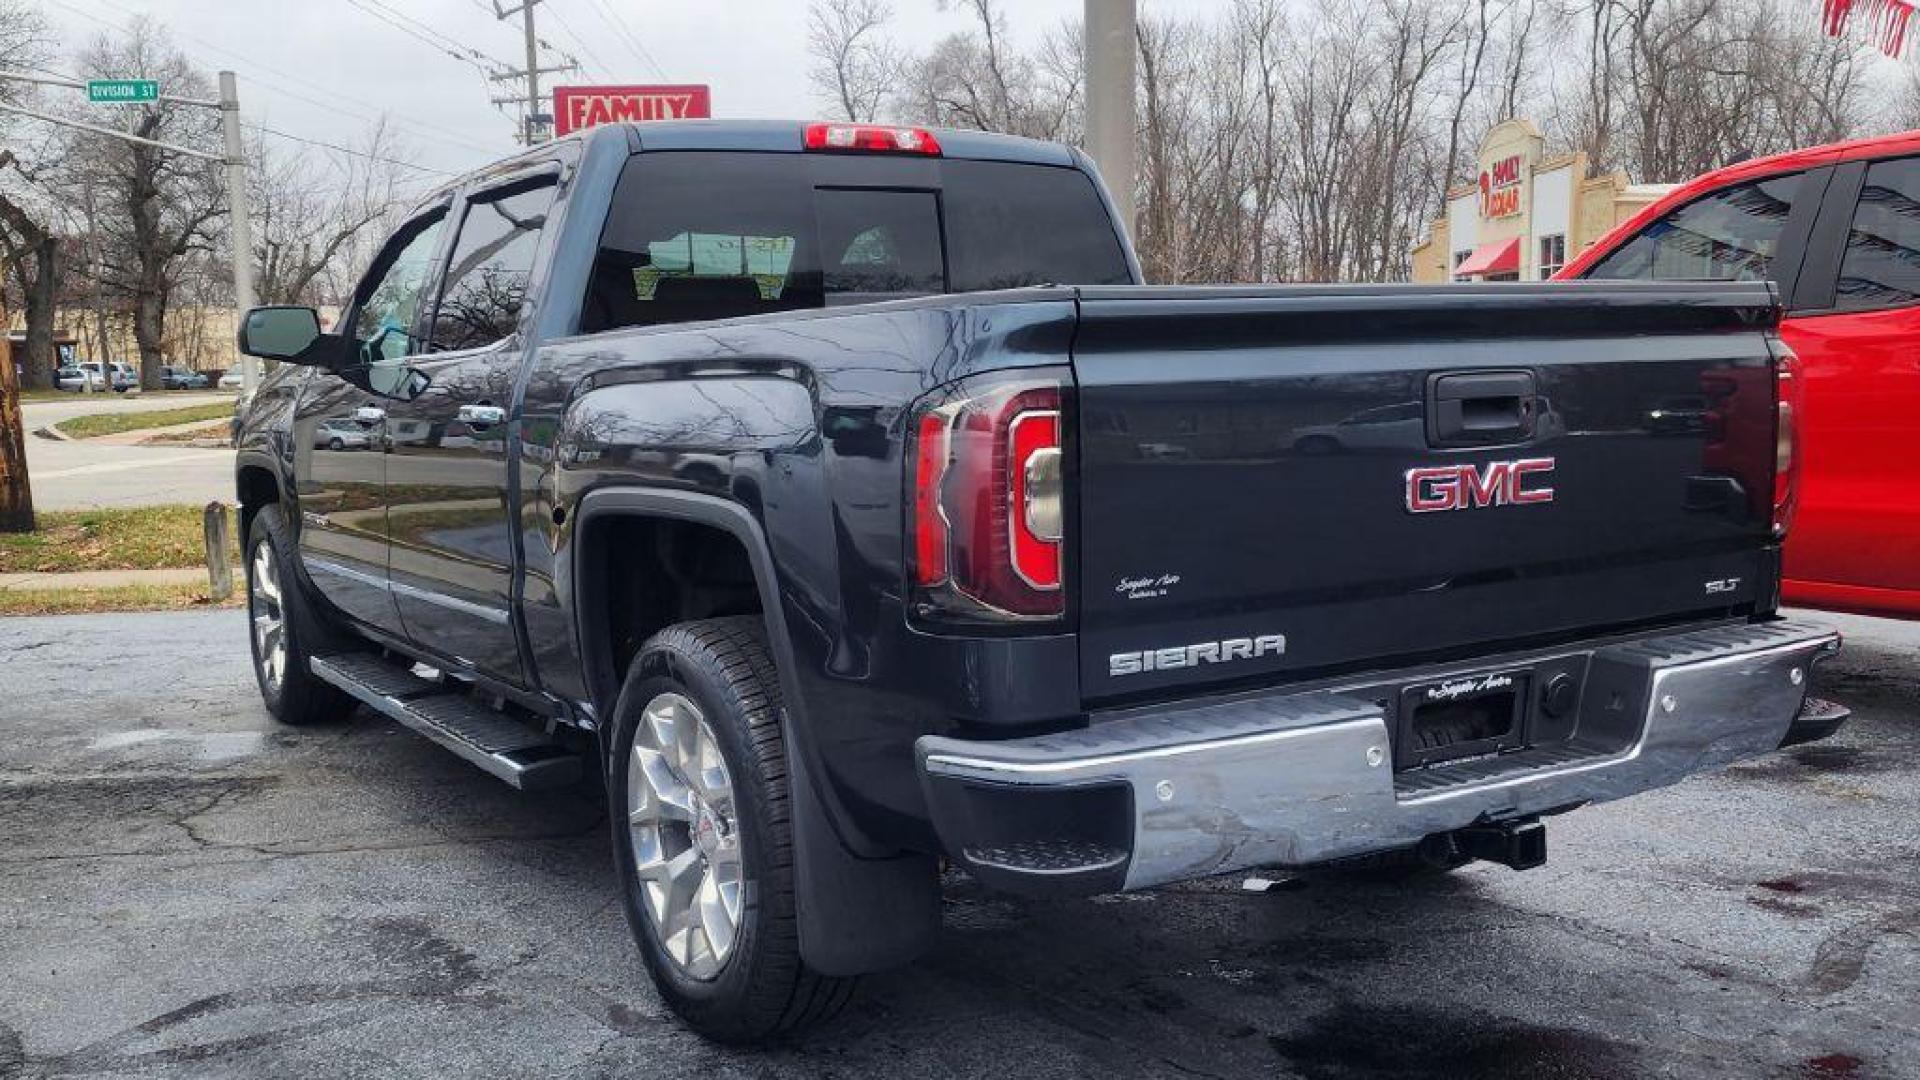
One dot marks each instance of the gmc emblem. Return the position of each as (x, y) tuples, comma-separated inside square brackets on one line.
[(1466, 487)]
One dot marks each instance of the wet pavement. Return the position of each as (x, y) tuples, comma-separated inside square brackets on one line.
[(187, 890)]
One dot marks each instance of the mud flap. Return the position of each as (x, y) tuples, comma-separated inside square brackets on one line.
[(856, 915)]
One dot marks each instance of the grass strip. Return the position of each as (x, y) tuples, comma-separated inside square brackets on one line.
[(116, 423), (131, 538), (116, 598)]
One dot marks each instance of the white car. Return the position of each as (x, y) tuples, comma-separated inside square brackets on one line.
[(232, 380)]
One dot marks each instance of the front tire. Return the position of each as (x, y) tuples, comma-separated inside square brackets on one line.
[(285, 630), (705, 853)]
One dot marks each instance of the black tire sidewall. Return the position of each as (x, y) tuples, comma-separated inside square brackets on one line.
[(301, 697), (712, 1005)]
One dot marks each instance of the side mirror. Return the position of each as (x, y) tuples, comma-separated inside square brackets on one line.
[(288, 334)]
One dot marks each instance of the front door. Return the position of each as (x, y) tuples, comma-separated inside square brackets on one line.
[(340, 431), (448, 508), (1856, 537)]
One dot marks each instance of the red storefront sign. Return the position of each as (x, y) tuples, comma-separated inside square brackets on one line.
[(579, 107), (1500, 189)]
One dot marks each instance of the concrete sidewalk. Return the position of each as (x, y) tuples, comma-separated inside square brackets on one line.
[(104, 579)]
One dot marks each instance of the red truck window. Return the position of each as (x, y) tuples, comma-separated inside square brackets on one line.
[(1881, 267), (1729, 235)]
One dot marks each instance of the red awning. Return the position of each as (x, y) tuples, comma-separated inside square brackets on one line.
[(1498, 257)]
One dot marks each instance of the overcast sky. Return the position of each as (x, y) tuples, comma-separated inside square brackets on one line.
[(324, 69)]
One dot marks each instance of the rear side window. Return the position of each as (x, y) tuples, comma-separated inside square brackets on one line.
[(1881, 267), (701, 235), (1010, 226), (492, 263), (1730, 235)]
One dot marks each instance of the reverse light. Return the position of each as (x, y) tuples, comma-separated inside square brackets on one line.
[(1786, 435), (988, 501), (872, 139)]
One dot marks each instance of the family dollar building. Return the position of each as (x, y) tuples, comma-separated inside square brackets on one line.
[(1525, 213)]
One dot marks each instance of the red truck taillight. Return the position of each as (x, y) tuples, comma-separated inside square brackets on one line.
[(1786, 436), (988, 507)]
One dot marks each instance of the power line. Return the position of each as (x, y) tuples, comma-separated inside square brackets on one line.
[(479, 64), (619, 26), (267, 81), (605, 71), (263, 129)]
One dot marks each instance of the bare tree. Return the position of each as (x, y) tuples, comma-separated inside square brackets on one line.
[(157, 206), (29, 244), (311, 208), (854, 64)]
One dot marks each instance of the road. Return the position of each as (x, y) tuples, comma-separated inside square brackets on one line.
[(84, 475), (187, 890)]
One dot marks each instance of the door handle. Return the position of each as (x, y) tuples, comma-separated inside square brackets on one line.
[(1479, 407), (480, 416), (369, 415)]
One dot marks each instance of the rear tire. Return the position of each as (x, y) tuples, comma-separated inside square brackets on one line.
[(285, 629), (707, 813)]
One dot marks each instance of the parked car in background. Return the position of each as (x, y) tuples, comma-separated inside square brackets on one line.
[(230, 379), (86, 376), (340, 433), (1836, 228), (179, 378)]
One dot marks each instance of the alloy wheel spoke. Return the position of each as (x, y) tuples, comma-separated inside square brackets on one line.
[(687, 857)]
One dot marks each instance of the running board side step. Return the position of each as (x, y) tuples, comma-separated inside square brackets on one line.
[(497, 743)]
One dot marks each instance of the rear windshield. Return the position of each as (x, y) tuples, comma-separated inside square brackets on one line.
[(710, 235)]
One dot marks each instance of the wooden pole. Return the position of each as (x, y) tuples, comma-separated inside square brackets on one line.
[(219, 551), (16, 493)]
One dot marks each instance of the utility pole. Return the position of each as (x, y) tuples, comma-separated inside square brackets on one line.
[(1110, 48), (239, 220), (535, 119)]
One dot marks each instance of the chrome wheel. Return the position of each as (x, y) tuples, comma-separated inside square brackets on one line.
[(269, 615), (686, 843)]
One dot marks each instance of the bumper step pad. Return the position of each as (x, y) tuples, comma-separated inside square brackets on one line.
[(496, 741)]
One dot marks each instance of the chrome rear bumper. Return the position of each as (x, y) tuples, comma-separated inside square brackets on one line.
[(1169, 794)]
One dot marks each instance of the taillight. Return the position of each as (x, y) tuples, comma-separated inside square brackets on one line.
[(988, 510), (872, 139), (1786, 437)]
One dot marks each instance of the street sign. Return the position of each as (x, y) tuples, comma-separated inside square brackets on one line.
[(123, 91), (578, 107)]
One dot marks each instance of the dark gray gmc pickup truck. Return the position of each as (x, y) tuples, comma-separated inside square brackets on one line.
[(836, 498)]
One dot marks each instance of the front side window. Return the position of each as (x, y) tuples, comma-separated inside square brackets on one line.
[(390, 306), (492, 266), (1881, 267), (1730, 235)]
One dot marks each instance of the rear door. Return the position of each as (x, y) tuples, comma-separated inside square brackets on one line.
[(448, 461), (342, 481), (1857, 332), (1318, 479)]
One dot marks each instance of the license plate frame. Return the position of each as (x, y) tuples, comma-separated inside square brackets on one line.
[(1475, 714)]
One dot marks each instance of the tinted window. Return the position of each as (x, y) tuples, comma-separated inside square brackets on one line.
[(1881, 267), (1014, 225), (1730, 235), (391, 303), (710, 235), (491, 266), (879, 244)]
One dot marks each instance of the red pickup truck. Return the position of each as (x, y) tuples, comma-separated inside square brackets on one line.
[(1838, 228)]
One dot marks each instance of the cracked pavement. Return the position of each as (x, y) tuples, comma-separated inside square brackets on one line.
[(188, 890)]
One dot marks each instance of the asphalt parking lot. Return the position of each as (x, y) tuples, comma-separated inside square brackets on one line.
[(186, 890)]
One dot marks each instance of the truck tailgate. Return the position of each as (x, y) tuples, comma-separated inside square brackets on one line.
[(1306, 480)]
